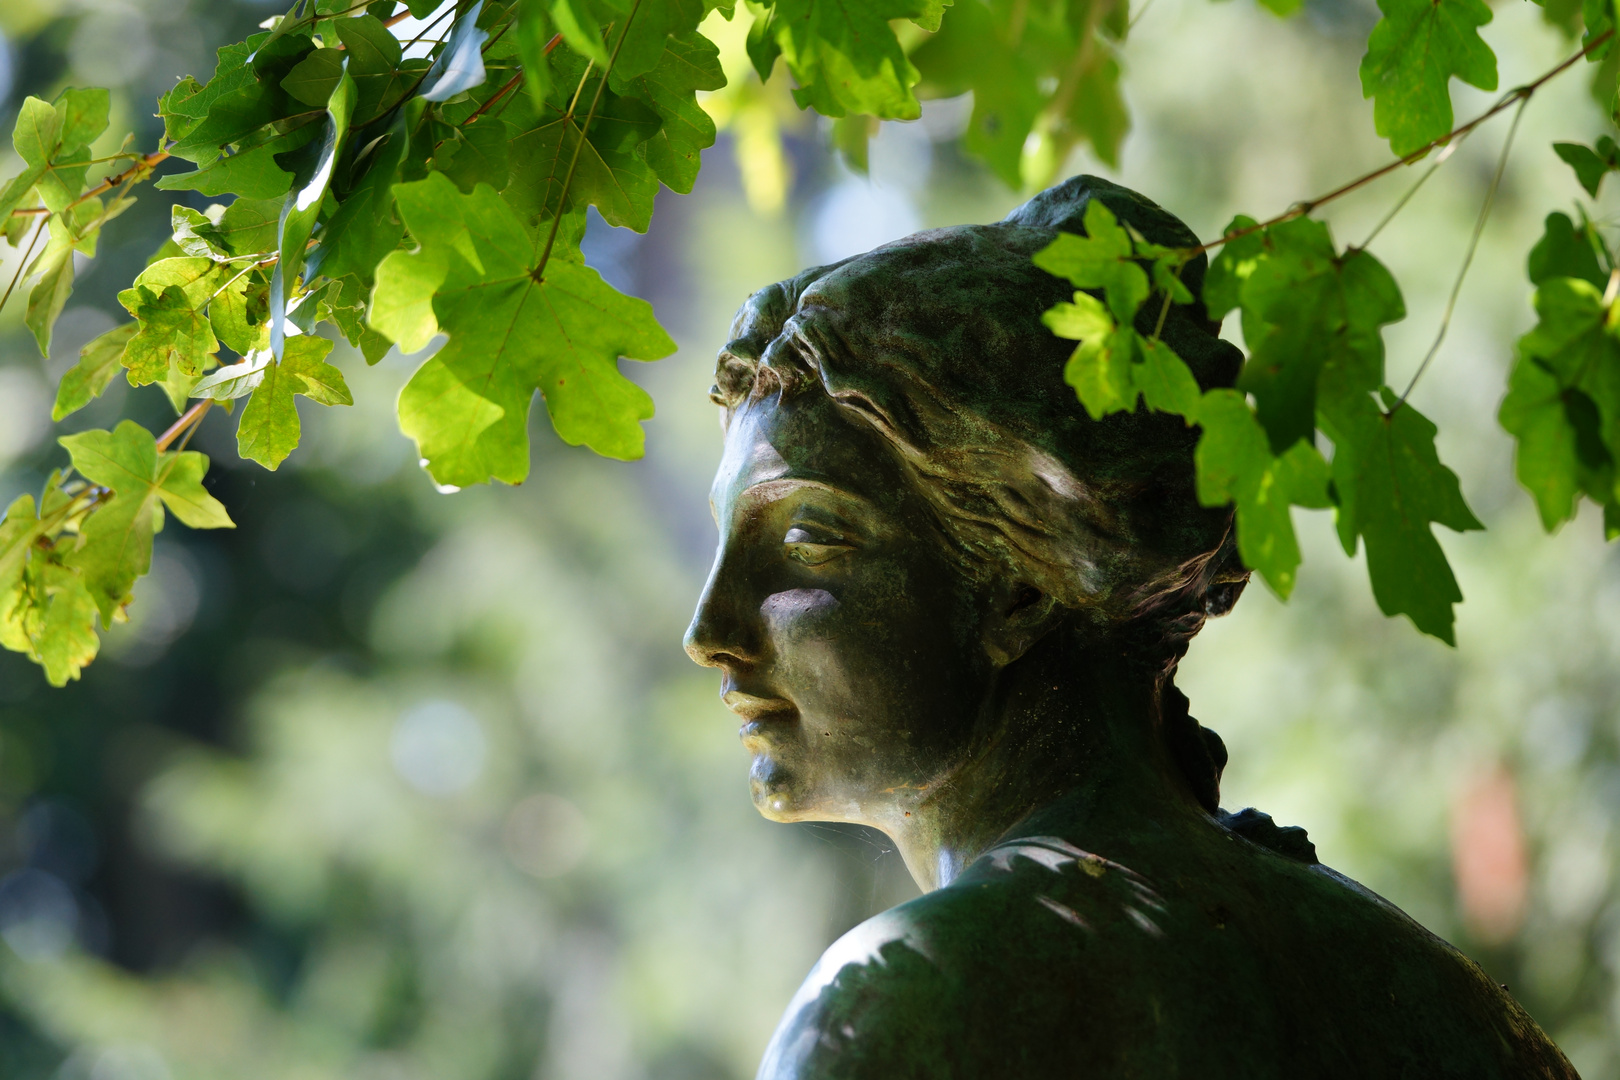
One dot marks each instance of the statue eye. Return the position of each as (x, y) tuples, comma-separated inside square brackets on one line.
[(810, 549)]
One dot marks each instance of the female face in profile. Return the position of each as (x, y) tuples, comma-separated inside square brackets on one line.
[(849, 642), (949, 605)]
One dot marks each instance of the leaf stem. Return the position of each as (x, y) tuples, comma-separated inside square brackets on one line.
[(539, 272), (502, 92), (1519, 94), (584, 78), (188, 419), (1400, 204), (1468, 258)]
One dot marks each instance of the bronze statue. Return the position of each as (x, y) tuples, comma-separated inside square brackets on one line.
[(949, 605)]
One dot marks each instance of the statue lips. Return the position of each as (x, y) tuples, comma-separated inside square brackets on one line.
[(757, 709)]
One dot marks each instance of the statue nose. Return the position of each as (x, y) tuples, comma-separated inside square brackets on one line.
[(720, 634)]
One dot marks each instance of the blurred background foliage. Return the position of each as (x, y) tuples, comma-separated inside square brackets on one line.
[(391, 784)]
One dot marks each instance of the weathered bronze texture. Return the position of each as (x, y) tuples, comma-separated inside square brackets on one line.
[(949, 605)]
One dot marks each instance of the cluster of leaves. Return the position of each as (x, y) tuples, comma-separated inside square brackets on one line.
[(1563, 401), (401, 198), (75, 554), (407, 199), (1312, 316), (1044, 77)]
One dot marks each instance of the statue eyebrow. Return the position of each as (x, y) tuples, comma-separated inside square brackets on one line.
[(767, 491)]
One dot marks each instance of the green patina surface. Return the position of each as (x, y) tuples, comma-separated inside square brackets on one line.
[(947, 603)]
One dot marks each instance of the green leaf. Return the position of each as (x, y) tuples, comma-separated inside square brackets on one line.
[(188, 104), (118, 536), (654, 25), (238, 102), (20, 529), (98, 363), (690, 63), (51, 141), (251, 174), (238, 316), (845, 57), (303, 208), (1411, 57), (1231, 267), (374, 62), (532, 28), (50, 294), (346, 305), (170, 298), (1164, 380), (1564, 399), (314, 78), (83, 114), (510, 334), (195, 233), (173, 332), (610, 174), (481, 155), (1565, 251), (269, 428), (1102, 259), (1100, 368), (575, 22), (1590, 165), (249, 226), (365, 228), (933, 11), (47, 614), (1546, 461), (1045, 70), (236, 380), (1236, 465), (1391, 487), (1312, 319)]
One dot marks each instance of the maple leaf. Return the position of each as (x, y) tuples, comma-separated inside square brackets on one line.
[(1411, 57), (117, 545), (512, 331)]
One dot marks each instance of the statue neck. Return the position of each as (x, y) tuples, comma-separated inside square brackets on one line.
[(1068, 743)]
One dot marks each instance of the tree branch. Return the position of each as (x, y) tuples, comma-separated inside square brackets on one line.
[(1522, 93)]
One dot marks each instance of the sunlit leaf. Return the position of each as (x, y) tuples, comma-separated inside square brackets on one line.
[(1412, 55), (511, 332), (98, 363)]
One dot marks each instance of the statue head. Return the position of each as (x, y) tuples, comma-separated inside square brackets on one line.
[(912, 503)]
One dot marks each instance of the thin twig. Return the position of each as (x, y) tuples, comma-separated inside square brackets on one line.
[(39, 230), (1522, 93), (1400, 204), (538, 274), (496, 36), (146, 163), (451, 10), (1473, 246)]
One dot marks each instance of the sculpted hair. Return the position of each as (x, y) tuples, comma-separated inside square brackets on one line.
[(936, 340)]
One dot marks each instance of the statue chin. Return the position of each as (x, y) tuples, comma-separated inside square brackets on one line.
[(949, 604), (775, 791)]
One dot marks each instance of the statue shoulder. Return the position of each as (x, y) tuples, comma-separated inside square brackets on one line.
[(1243, 963), (924, 989)]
